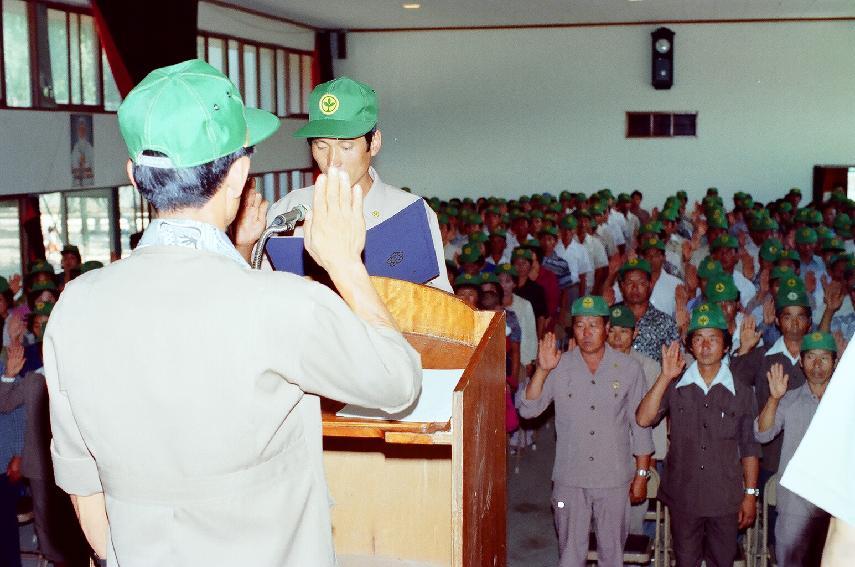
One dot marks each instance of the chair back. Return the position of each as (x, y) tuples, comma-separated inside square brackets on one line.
[(770, 491), (653, 484)]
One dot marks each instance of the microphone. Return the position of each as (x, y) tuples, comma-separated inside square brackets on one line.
[(290, 218)]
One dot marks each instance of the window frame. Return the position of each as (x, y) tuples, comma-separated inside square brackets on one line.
[(205, 35), (651, 117), (277, 173)]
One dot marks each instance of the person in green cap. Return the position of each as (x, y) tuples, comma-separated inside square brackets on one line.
[(158, 427), (596, 251), (467, 287), (710, 482), (70, 264), (342, 133), (497, 250), (801, 527), (576, 255), (601, 452), (725, 249)]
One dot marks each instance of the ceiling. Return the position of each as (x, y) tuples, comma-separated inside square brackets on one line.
[(382, 14)]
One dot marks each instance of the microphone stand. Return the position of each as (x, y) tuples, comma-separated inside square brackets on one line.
[(279, 224)]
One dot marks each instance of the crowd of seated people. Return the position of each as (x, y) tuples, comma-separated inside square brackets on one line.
[(772, 286)]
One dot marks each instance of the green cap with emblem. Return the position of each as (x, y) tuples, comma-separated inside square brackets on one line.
[(720, 287), (782, 272), (843, 225), (806, 235), (467, 280), (788, 255), (652, 227), (71, 249), (43, 308), (506, 269), (520, 252), (707, 316), (635, 264), (652, 241), (489, 277), (622, 316), (568, 222), (785, 207), (44, 286), (834, 244), (469, 255), (548, 230), (819, 341), (191, 113), (341, 108), (593, 305), (771, 249), (536, 215), (716, 218), (478, 237), (90, 265), (791, 294), (669, 214), (823, 232), (624, 198), (41, 267), (443, 218), (725, 241), (709, 268), (795, 191), (532, 243)]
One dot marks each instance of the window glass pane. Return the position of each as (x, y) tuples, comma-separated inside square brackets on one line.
[(89, 224), (296, 180), (307, 82), (216, 55), (250, 78), (281, 109), (50, 206), (294, 83), (16, 53), (283, 185), (112, 97), (234, 62), (10, 239), (58, 44), (133, 216), (74, 40), (90, 61), (265, 78), (269, 187), (200, 47)]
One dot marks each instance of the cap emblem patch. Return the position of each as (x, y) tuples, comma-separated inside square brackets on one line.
[(328, 104)]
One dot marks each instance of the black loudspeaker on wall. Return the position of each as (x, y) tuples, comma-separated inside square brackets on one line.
[(662, 58)]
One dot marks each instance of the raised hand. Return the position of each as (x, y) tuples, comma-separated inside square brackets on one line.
[(14, 359), (769, 311), (681, 295), (692, 281), (790, 238), (687, 251), (834, 294), (17, 327), (777, 381), (253, 217), (749, 336), (335, 227), (672, 361), (15, 284), (548, 354), (741, 238), (810, 282), (609, 295), (682, 318)]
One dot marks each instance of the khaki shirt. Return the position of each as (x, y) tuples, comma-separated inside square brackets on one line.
[(181, 386), (594, 419), (381, 203)]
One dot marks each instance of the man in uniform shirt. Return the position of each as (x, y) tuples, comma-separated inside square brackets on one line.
[(601, 450), (710, 479), (801, 527), (342, 132), (576, 255), (197, 431)]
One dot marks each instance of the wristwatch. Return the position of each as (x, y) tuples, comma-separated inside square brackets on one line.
[(752, 491), (643, 473)]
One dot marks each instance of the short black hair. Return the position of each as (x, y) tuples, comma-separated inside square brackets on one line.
[(369, 137), (728, 341), (636, 192), (170, 189), (779, 310)]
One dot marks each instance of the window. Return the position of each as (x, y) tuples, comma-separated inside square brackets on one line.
[(10, 238), (661, 124), (71, 69), (276, 184), (269, 77)]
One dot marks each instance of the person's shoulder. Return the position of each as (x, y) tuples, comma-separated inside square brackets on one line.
[(622, 360)]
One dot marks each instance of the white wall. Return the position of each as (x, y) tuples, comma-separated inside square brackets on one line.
[(35, 146), (505, 112)]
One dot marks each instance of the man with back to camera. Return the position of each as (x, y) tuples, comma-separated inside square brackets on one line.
[(342, 132), (194, 436)]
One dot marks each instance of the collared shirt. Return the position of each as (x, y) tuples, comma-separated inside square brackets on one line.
[(597, 251), (559, 266), (528, 326), (577, 257), (594, 419), (692, 375), (381, 203), (745, 287), (606, 236), (655, 329), (793, 416), (189, 233), (663, 297), (711, 432), (617, 222), (780, 347)]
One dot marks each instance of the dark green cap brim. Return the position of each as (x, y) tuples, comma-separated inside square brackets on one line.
[(340, 129)]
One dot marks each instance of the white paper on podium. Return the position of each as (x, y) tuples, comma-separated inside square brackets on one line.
[(432, 405)]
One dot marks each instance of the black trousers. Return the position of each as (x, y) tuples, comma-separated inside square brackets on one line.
[(10, 552), (696, 538)]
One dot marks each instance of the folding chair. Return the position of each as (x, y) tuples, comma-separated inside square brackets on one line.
[(770, 498), (25, 516)]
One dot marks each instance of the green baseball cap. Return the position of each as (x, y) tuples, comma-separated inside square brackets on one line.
[(43, 286), (442, 218), (771, 249), (520, 252), (550, 230), (41, 267), (532, 243), (489, 277), (841, 257), (795, 191), (790, 255), (708, 268), (467, 280), (624, 198), (71, 249), (341, 108), (192, 113), (536, 215), (506, 269), (635, 264), (90, 265), (593, 305), (716, 218), (43, 308), (478, 237), (707, 316), (652, 241), (819, 341), (792, 293), (806, 235), (652, 227), (622, 316), (720, 287), (669, 214), (500, 233), (785, 207), (823, 232), (843, 225), (568, 223), (833, 243), (781, 272), (469, 255), (725, 241), (4, 285)]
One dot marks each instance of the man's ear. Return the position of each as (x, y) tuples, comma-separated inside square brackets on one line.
[(129, 168), (236, 177), (376, 143), (634, 334)]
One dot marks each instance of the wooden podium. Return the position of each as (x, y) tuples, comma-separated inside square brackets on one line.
[(427, 494)]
